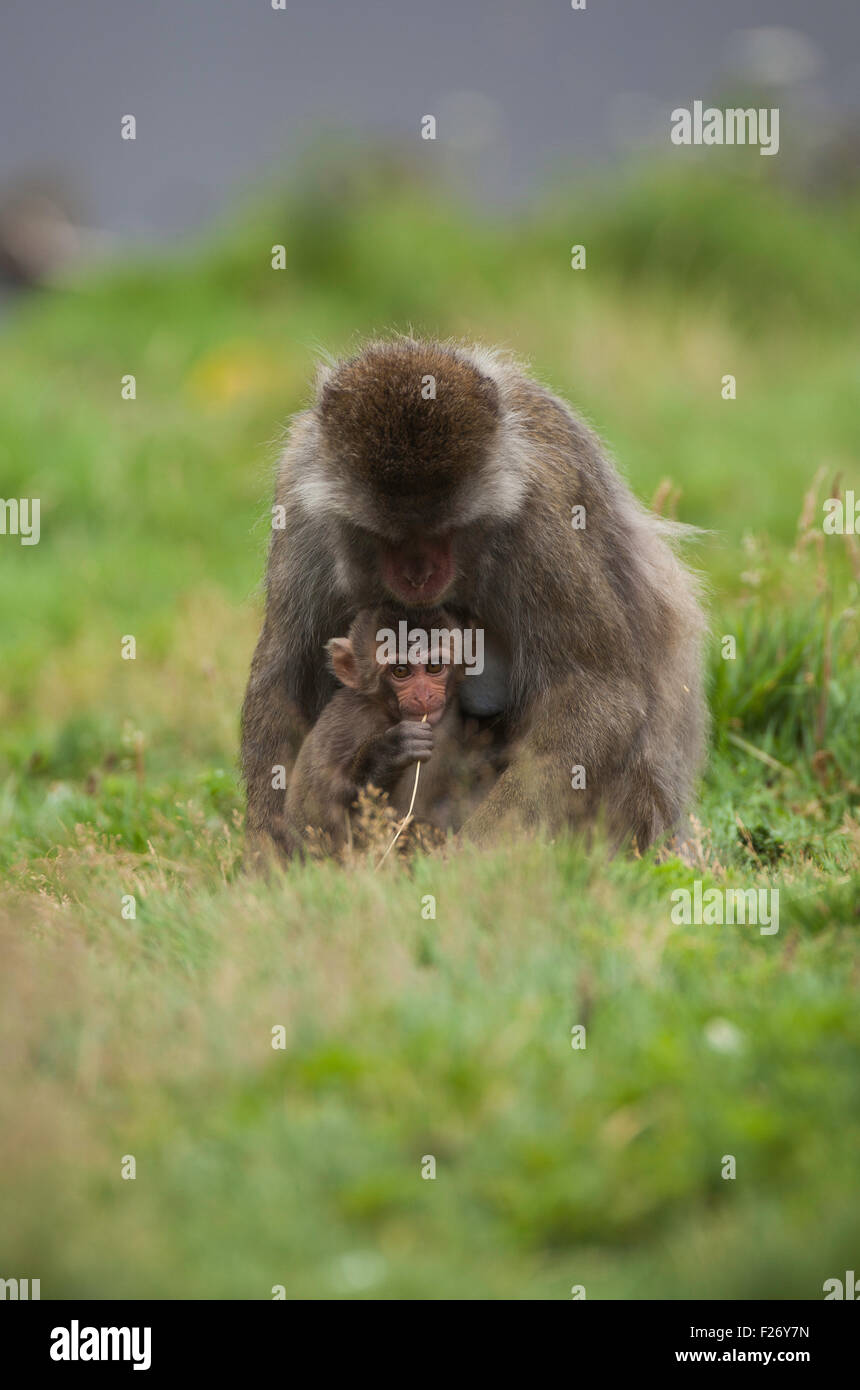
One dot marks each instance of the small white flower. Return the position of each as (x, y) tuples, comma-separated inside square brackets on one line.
[(723, 1036), (359, 1269)]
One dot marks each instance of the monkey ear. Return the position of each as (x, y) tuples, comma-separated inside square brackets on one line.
[(343, 662)]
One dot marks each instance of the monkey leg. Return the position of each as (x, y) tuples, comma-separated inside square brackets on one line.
[(588, 755)]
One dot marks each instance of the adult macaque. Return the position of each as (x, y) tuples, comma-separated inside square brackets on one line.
[(388, 716), (427, 474)]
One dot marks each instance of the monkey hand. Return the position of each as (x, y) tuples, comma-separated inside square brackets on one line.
[(382, 759), (408, 742)]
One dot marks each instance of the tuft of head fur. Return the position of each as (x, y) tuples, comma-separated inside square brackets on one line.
[(395, 451), (375, 419)]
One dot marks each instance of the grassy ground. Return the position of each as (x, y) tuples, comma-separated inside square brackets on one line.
[(408, 1036)]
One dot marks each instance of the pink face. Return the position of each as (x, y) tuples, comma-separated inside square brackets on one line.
[(420, 689), (418, 571)]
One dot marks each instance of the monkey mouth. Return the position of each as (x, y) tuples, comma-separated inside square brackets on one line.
[(418, 571)]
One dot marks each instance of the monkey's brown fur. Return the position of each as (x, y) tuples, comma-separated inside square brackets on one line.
[(408, 458), (598, 631)]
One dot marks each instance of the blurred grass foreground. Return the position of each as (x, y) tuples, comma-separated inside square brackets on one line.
[(426, 1012)]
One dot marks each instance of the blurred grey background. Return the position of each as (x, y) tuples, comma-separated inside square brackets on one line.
[(225, 91)]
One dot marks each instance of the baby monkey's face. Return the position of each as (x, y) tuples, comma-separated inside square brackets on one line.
[(420, 689), (411, 672)]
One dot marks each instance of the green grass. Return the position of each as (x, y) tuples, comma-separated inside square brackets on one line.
[(409, 1036)]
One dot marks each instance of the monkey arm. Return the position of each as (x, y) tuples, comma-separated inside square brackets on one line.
[(273, 727), (368, 764), (349, 746), (289, 683)]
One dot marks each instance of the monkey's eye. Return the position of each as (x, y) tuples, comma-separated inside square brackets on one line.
[(434, 667), (400, 672)]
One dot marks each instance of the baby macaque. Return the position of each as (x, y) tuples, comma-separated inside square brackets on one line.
[(389, 716)]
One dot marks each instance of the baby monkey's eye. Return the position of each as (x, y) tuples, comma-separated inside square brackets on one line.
[(434, 667), (400, 672)]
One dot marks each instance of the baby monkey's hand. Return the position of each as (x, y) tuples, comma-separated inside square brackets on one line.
[(409, 742)]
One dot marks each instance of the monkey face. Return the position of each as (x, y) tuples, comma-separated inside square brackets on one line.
[(421, 690), (407, 453), (412, 672)]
